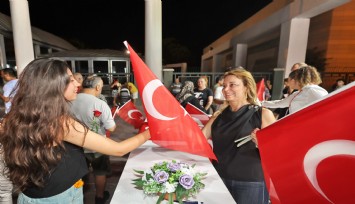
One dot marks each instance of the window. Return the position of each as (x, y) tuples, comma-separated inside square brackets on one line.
[(101, 69), (82, 66), (119, 67)]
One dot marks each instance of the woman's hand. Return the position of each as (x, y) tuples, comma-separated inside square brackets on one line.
[(253, 136)]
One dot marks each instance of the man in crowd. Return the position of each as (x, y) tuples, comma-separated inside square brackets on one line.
[(96, 114), (9, 76)]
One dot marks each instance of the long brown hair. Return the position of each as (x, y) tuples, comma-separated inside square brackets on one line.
[(33, 130)]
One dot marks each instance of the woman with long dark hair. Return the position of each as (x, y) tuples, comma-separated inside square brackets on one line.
[(42, 141)]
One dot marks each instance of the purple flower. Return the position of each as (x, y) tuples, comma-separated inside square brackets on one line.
[(186, 181), (161, 176), (174, 167)]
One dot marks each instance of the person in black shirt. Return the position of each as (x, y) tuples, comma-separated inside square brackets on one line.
[(186, 95), (239, 167), (204, 94)]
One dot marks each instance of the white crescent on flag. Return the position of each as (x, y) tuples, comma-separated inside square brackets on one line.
[(132, 111), (321, 151), (147, 96)]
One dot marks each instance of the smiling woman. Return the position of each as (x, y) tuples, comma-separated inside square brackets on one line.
[(239, 166), (41, 116)]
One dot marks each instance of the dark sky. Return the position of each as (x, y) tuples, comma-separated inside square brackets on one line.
[(107, 23)]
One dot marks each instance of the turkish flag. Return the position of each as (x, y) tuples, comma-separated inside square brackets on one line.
[(309, 156), (260, 90), (170, 125), (129, 113), (200, 117)]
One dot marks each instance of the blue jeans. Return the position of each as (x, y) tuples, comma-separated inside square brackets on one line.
[(247, 192), (70, 196)]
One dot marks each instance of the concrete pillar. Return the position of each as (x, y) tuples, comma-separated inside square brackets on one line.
[(3, 61), (153, 36), (217, 63), (240, 55), (168, 77), (37, 50), (91, 66), (293, 43), (278, 83), (21, 27)]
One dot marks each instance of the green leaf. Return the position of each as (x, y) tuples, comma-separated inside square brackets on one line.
[(171, 198), (161, 198), (139, 184), (203, 174), (148, 176), (179, 193), (139, 171), (138, 179)]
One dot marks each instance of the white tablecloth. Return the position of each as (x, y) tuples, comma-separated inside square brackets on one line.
[(148, 154)]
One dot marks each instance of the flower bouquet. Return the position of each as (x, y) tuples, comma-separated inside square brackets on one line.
[(174, 179)]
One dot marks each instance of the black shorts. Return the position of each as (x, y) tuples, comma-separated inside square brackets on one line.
[(100, 165)]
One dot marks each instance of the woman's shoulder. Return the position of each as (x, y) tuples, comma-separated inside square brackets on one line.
[(315, 90), (267, 117), (266, 112)]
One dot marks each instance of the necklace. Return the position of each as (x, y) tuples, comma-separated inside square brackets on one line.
[(289, 106)]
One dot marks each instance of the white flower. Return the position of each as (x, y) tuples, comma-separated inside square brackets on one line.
[(189, 171), (149, 171), (169, 188)]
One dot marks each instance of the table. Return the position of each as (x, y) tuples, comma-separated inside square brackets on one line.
[(149, 153)]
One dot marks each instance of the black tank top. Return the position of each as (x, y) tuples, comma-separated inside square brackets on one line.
[(69, 170), (237, 163)]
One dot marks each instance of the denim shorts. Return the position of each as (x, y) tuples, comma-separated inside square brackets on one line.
[(71, 196), (247, 192)]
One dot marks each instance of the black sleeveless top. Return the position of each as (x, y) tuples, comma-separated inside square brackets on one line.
[(69, 170), (237, 163)]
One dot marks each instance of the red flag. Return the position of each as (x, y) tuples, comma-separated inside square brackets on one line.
[(310, 155), (200, 117), (129, 113), (260, 90), (169, 124)]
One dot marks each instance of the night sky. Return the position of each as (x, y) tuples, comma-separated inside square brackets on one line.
[(105, 24)]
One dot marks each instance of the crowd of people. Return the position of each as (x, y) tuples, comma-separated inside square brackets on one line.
[(49, 140)]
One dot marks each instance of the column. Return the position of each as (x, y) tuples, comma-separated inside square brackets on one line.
[(278, 83), (293, 43), (168, 77), (37, 50), (21, 28), (217, 63), (153, 36), (3, 61), (240, 55)]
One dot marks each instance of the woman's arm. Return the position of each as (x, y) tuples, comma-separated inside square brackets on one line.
[(267, 118), (206, 130), (284, 103), (102, 144), (209, 102)]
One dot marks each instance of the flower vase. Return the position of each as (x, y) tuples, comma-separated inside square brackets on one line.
[(166, 196)]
